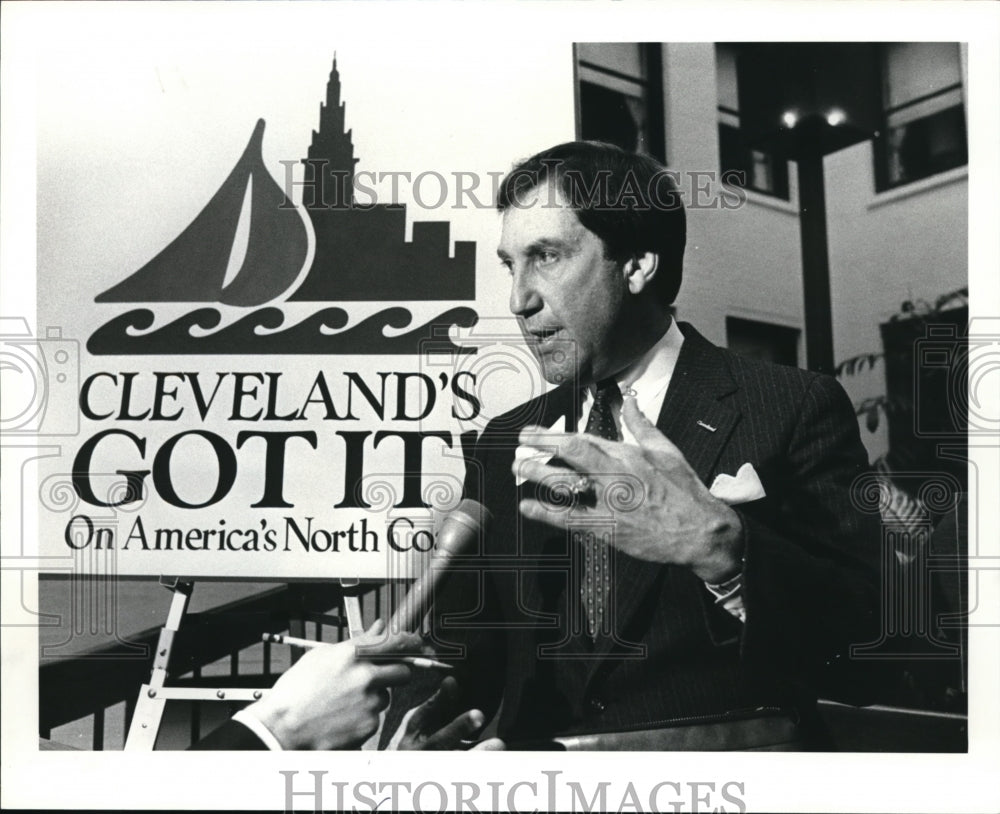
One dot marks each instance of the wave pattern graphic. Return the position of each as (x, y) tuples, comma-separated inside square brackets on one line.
[(260, 333)]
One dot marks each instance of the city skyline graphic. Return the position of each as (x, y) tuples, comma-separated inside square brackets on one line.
[(361, 255)]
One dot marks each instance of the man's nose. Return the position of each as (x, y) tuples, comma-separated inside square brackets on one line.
[(524, 299)]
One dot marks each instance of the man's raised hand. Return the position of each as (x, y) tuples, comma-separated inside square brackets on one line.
[(671, 517)]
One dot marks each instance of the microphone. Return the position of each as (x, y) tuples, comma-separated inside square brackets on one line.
[(463, 527)]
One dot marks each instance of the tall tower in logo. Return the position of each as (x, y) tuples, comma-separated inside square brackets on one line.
[(361, 250), (330, 163)]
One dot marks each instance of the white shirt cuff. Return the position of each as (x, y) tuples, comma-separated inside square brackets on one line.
[(247, 718)]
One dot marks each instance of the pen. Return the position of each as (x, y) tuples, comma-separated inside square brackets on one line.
[(420, 662)]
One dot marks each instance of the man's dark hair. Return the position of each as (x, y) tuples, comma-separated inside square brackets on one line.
[(628, 200)]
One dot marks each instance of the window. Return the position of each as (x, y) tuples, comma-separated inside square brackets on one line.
[(763, 340), (759, 170), (923, 131), (621, 95)]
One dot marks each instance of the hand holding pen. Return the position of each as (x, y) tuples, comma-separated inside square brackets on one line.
[(377, 655), (330, 698)]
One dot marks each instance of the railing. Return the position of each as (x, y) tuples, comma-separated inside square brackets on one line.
[(95, 690), (93, 693)]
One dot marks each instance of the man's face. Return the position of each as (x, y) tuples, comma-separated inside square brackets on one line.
[(570, 300)]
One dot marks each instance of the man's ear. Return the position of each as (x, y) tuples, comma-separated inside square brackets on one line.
[(640, 271)]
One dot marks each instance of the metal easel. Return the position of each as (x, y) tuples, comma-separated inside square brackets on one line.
[(153, 696)]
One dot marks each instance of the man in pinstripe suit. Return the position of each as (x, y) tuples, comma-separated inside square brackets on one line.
[(675, 560)]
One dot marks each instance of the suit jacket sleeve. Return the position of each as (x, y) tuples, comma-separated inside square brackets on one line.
[(811, 576), (232, 736)]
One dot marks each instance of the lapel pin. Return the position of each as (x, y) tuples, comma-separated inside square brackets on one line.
[(705, 426)]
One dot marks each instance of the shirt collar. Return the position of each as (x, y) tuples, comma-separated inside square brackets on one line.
[(647, 379), (650, 374)]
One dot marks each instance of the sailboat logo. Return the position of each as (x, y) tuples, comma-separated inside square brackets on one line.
[(361, 254)]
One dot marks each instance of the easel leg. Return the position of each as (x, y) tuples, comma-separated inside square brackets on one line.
[(149, 708), (355, 627), (145, 721)]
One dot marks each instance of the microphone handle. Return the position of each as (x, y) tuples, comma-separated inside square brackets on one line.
[(460, 531), (415, 605)]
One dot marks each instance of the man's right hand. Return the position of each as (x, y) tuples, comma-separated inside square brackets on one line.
[(330, 699)]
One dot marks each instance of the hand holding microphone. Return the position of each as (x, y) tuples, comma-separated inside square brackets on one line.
[(333, 697), (433, 724)]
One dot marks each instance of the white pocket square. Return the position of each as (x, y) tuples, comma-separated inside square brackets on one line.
[(525, 453), (741, 488)]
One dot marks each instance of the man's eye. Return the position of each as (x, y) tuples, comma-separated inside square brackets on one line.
[(546, 258)]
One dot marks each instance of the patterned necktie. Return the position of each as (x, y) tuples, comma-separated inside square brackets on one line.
[(596, 587)]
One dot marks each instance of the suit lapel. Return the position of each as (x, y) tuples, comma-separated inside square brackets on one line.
[(696, 393), (535, 540), (694, 399)]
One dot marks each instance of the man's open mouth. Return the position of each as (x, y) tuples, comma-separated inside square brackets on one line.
[(543, 335)]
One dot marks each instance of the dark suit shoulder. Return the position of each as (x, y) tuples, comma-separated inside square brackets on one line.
[(542, 410), (803, 389), (778, 400), (747, 369), (722, 369)]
